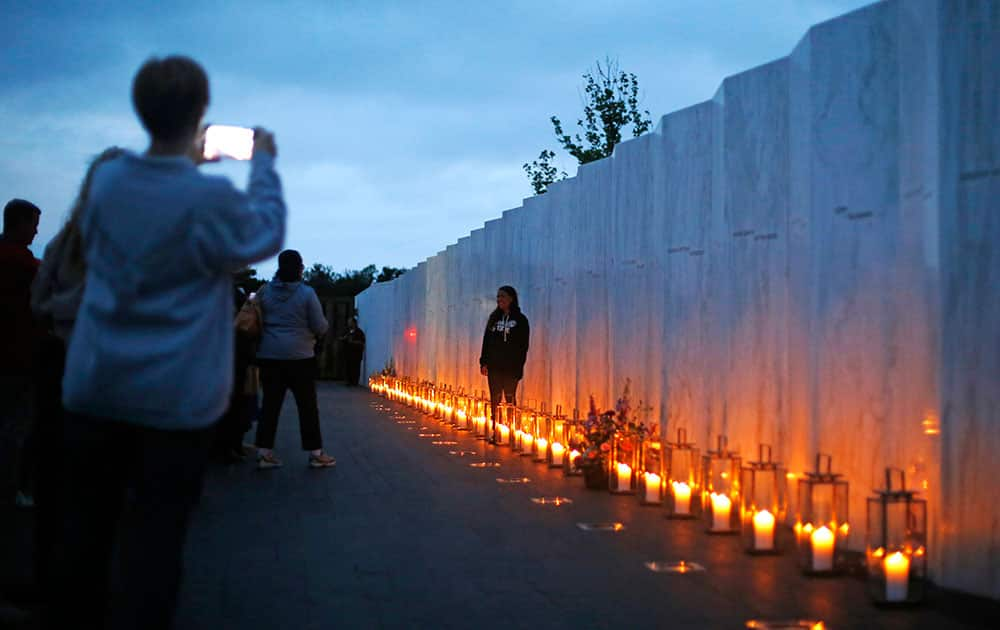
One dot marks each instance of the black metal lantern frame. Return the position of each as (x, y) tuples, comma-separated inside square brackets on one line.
[(683, 478), (896, 543), (721, 489), (524, 435), (650, 478), (543, 429), (765, 503), (623, 463), (556, 454), (575, 440), (822, 523)]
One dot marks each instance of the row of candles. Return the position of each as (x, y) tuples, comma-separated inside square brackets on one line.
[(731, 497)]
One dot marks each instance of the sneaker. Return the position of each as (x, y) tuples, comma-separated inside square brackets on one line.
[(24, 500), (265, 461), (321, 461)]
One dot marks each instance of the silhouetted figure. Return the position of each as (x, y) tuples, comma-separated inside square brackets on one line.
[(19, 338), (354, 351), (55, 299)]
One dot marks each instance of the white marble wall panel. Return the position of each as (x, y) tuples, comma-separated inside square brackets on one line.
[(970, 272), (593, 336), (868, 390), (684, 195), (754, 199), (562, 296), (635, 345), (806, 260)]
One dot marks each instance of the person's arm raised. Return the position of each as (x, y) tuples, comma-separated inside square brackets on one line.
[(239, 228)]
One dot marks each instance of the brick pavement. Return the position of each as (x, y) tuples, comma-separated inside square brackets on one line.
[(404, 535)]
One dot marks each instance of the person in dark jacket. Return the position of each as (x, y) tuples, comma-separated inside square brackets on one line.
[(354, 351), (505, 349)]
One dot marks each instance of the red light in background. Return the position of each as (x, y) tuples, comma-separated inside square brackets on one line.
[(411, 333)]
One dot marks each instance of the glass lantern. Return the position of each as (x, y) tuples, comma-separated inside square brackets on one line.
[(501, 429), (543, 427), (480, 416), (462, 411), (683, 472), (896, 543), (557, 440), (624, 460), (650, 480), (524, 435), (574, 440), (763, 486), (822, 525), (720, 494)]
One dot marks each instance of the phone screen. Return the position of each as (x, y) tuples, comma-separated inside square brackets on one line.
[(228, 141)]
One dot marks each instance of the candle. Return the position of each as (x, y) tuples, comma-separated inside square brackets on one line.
[(541, 445), (526, 440), (682, 497), (897, 577), (721, 506), (624, 477), (573, 456), (822, 549), (652, 487), (763, 531), (557, 453)]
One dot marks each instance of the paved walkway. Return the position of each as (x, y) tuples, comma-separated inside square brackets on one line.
[(403, 534)]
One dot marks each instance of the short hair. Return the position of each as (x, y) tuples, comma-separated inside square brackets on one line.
[(19, 212), (289, 265), (170, 96)]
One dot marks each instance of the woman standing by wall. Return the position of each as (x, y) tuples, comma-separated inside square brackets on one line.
[(293, 320), (505, 349)]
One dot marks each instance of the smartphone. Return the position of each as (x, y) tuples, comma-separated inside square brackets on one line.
[(228, 141)]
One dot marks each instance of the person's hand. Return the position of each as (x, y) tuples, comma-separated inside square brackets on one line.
[(263, 140), (485, 371), (197, 151)]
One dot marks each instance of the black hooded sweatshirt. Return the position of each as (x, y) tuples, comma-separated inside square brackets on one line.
[(505, 343)]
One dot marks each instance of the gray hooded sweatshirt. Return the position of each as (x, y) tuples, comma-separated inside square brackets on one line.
[(293, 319)]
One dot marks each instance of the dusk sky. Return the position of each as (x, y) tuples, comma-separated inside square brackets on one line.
[(401, 126)]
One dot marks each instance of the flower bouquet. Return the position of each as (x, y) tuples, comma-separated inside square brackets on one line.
[(618, 428)]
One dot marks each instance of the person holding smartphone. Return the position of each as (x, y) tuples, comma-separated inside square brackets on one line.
[(149, 366)]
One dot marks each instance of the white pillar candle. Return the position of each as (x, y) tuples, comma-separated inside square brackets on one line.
[(624, 477), (682, 497), (558, 450), (541, 445), (721, 507), (897, 577), (652, 487), (763, 531), (822, 549), (526, 440)]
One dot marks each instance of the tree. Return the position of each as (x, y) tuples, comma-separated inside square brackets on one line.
[(542, 173), (611, 103), (389, 273), (327, 282)]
